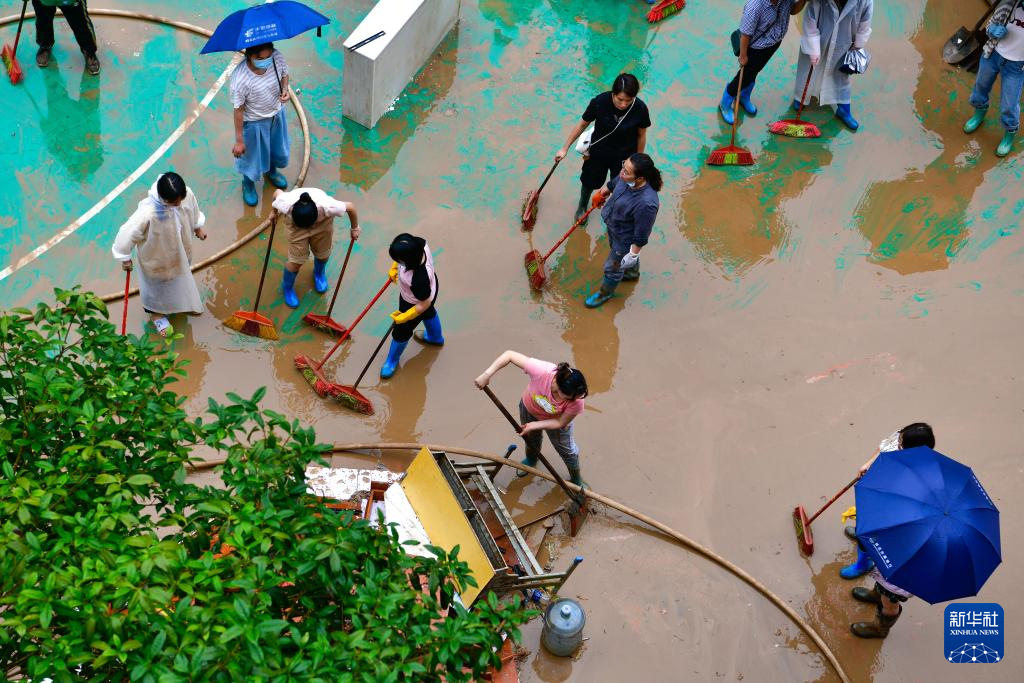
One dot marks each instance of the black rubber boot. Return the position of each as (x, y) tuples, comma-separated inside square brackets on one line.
[(584, 204), (851, 533), (879, 628), (869, 595)]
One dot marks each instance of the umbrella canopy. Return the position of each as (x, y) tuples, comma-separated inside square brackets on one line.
[(263, 24), (928, 524)]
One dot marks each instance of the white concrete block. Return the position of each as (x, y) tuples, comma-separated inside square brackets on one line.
[(377, 73)]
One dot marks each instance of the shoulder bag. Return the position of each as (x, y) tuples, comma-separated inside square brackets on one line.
[(583, 144)]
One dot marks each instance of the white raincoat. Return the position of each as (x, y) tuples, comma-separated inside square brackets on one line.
[(831, 33), (162, 235)]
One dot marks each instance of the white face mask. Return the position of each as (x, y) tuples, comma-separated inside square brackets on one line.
[(631, 183)]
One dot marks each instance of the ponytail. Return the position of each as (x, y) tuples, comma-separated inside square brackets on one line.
[(643, 167), (571, 381)]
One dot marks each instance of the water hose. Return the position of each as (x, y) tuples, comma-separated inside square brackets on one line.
[(687, 542)]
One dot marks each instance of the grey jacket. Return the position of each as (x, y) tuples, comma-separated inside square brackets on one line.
[(629, 213)]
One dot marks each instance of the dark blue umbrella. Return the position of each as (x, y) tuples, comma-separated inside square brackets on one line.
[(263, 24), (928, 524)]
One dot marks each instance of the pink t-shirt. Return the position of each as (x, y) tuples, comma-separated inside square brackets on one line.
[(537, 396)]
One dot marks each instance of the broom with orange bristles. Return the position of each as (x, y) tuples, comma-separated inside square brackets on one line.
[(325, 322), (529, 214), (313, 371), (731, 155), (351, 397), (795, 128), (10, 55), (251, 322), (665, 8)]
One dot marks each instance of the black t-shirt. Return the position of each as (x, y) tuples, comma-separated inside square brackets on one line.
[(605, 115)]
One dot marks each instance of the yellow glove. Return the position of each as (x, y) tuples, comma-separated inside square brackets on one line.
[(400, 317), (851, 513), (393, 272)]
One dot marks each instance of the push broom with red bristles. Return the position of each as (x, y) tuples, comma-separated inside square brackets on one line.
[(313, 371), (325, 322), (351, 397), (535, 269), (731, 155), (795, 128), (804, 536), (10, 55), (251, 322), (663, 9), (529, 214)]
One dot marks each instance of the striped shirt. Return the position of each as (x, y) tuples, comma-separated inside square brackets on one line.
[(766, 23), (259, 95)]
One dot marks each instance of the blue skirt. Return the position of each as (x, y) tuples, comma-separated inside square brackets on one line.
[(266, 146)]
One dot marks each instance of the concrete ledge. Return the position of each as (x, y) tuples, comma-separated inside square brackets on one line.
[(377, 73)]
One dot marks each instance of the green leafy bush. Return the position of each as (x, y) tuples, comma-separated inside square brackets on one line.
[(114, 567)]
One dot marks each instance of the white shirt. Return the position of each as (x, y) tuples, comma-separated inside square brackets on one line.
[(260, 95), (1011, 46)]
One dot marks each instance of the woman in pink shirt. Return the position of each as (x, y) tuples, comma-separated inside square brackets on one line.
[(552, 399)]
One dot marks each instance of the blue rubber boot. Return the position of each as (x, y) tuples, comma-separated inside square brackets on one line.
[(249, 195), (725, 106), (1005, 145), (432, 332), (394, 354), (844, 115), (605, 293), (796, 105), (320, 283), (277, 179), (862, 566), (974, 123), (745, 102), (529, 462), (288, 288)]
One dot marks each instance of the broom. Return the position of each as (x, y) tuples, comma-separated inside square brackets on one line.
[(535, 269), (10, 55), (529, 214), (803, 525), (325, 322), (124, 313), (350, 397), (665, 8), (313, 371), (732, 155), (795, 128), (252, 323)]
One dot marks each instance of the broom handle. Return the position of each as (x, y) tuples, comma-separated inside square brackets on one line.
[(127, 286), (540, 456), (833, 499), (736, 108), (337, 287), (380, 345), (17, 37), (548, 176), (566, 235), (806, 83), (266, 262), (353, 325)]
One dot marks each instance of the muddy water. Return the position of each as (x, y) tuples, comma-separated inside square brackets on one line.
[(790, 315)]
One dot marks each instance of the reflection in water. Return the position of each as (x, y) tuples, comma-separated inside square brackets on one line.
[(366, 155), (71, 128), (197, 358), (731, 215), (405, 393)]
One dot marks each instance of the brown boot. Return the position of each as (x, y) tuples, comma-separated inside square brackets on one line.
[(870, 595), (879, 628)]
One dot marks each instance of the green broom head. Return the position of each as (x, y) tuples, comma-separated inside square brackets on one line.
[(665, 8), (352, 399), (731, 156), (252, 324), (314, 377), (795, 129)]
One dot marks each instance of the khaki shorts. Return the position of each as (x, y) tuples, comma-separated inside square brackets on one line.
[(317, 239)]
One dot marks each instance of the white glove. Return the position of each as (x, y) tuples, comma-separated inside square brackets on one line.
[(629, 260)]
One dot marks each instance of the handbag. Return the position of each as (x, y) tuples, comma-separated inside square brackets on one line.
[(855, 61), (583, 143)]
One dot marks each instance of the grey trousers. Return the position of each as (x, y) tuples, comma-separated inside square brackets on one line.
[(561, 439)]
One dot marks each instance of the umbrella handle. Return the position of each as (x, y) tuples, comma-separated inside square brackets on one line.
[(833, 499)]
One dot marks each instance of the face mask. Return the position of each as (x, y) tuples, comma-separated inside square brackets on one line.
[(631, 183), (263, 63)]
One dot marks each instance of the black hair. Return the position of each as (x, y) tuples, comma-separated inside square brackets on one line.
[(626, 83), (407, 249), (917, 434), (643, 167), (256, 49), (171, 187), (571, 381), (304, 212)]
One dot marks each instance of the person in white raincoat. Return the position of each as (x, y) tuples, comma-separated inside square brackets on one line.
[(831, 28), (161, 232)]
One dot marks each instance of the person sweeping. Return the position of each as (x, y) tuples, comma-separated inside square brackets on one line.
[(160, 232), (413, 271), (259, 89), (630, 208), (76, 13), (1002, 56), (552, 399), (310, 227)]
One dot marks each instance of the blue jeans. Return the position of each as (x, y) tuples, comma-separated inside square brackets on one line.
[(1012, 74), (613, 271)]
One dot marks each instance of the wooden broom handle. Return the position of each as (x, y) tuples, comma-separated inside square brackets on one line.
[(380, 344), (387, 283), (833, 499), (337, 287), (266, 262), (804, 95), (569, 232), (736, 107)]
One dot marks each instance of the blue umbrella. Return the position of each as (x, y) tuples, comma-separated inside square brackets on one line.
[(263, 24), (928, 524)]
